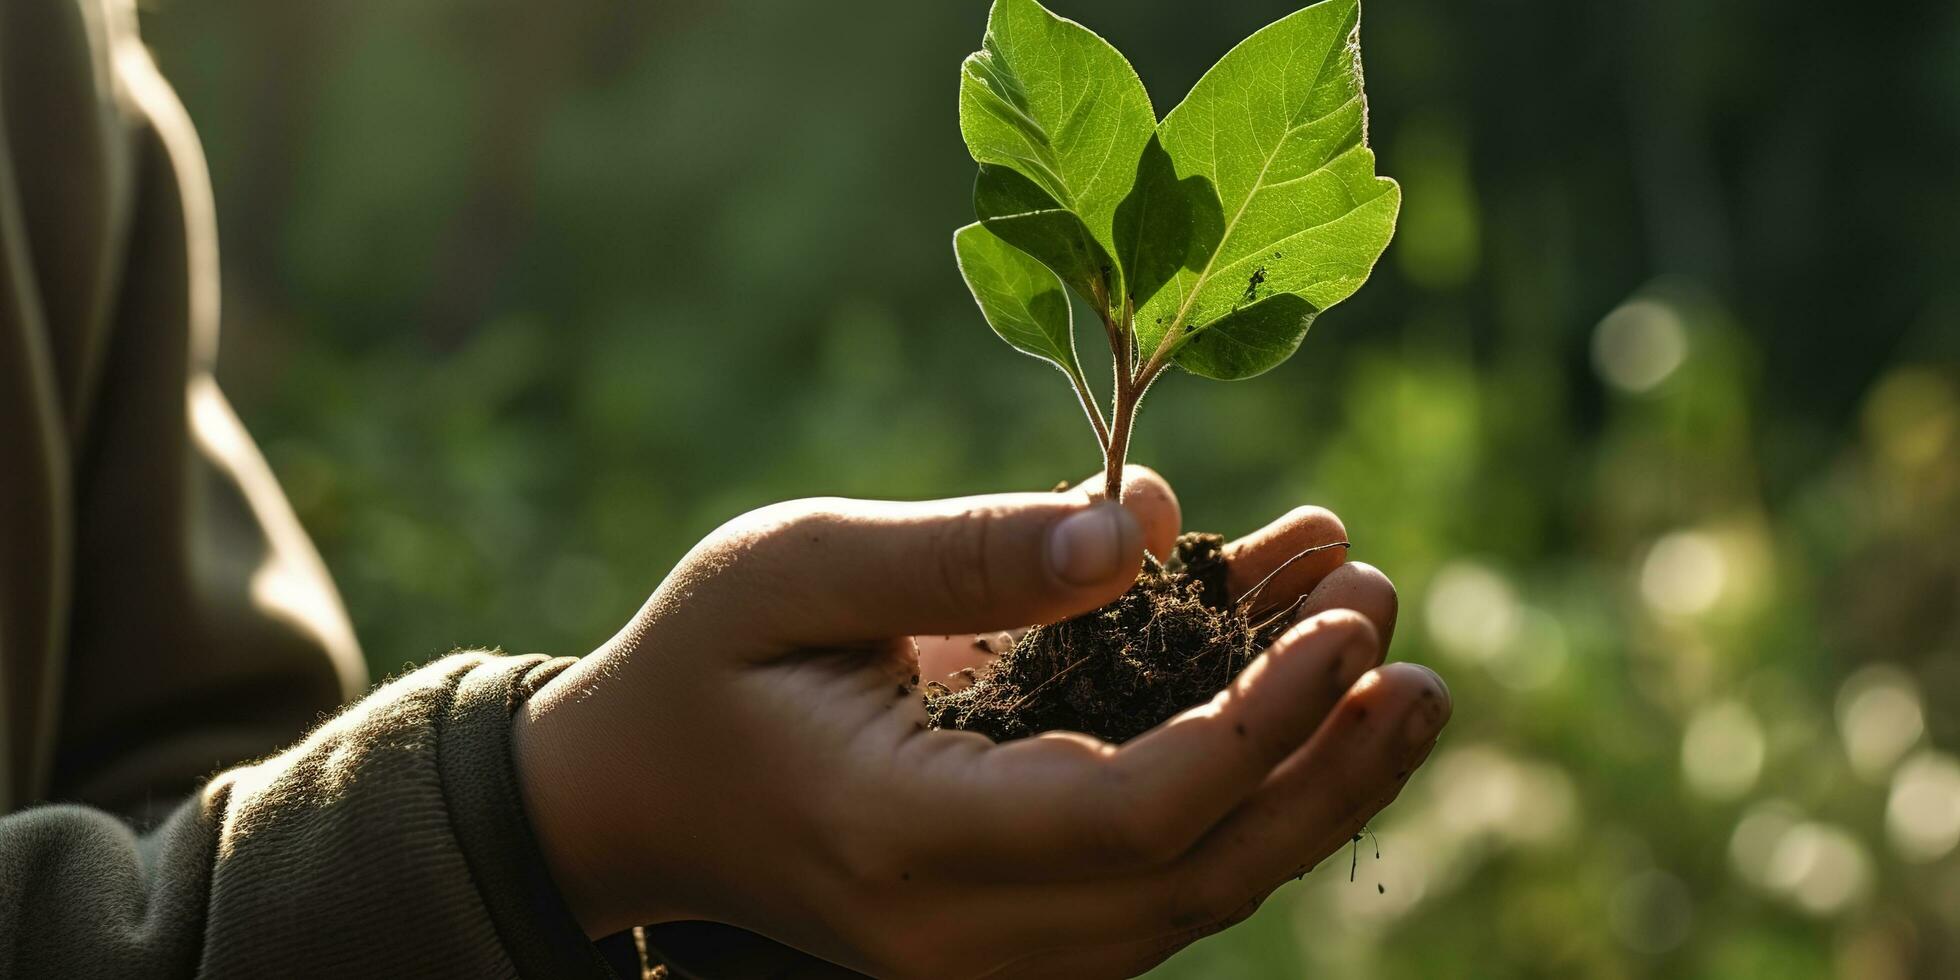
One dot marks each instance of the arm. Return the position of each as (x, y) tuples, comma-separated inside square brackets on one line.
[(389, 842), (757, 767), (162, 616)]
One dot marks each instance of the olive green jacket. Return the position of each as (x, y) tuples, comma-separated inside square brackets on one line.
[(164, 621)]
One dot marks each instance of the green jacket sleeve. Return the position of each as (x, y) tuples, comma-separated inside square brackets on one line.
[(390, 842), (163, 617)]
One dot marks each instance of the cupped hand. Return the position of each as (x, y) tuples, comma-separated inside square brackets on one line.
[(751, 748)]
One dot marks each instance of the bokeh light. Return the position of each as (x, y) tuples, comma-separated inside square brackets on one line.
[(1472, 611), (1922, 814), (1913, 417), (1639, 344), (1491, 793), (1820, 868), (1684, 573), (1754, 842), (1879, 718), (1722, 750)]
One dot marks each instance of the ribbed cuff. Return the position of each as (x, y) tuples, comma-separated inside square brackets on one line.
[(486, 811)]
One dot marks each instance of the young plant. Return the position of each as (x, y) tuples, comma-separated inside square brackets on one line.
[(1209, 240)]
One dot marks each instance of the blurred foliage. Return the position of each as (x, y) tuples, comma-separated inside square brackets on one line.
[(1652, 411)]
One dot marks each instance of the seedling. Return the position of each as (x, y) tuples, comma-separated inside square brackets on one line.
[(1209, 240)]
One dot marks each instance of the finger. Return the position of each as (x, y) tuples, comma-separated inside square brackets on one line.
[(837, 572), (1353, 767), (1140, 956), (952, 659), (1061, 803), (1202, 763), (1148, 496), (1358, 586), (1234, 742), (1287, 558)]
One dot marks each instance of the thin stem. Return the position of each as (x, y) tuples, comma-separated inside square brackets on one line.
[(1119, 376), (1117, 446), (1129, 395), (1119, 442), (1090, 408), (1117, 329)]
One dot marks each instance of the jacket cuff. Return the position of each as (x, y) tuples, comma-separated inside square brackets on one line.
[(486, 812)]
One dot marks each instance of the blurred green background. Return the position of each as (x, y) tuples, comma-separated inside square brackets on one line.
[(1652, 410)]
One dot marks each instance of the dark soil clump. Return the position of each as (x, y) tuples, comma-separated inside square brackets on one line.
[(1169, 643)]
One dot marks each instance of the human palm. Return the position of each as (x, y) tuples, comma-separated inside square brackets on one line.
[(760, 743)]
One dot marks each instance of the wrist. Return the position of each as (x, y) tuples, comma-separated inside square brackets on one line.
[(562, 812)]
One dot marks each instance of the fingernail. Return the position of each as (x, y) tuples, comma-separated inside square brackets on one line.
[(1088, 546), (1430, 709)]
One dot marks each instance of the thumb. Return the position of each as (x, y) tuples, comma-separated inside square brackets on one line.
[(833, 572)]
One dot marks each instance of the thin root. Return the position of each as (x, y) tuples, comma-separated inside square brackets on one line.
[(1052, 678), (1253, 593)]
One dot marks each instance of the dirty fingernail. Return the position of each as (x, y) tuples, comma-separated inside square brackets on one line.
[(1430, 709), (1088, 547)]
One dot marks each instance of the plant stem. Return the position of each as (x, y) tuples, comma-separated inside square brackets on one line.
[(1119, 442), (1129, 395), (1116, 442), (1090, 408), (1128, 390), (1132, 380)]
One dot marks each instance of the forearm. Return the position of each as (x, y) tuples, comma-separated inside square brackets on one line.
[(389, 840)]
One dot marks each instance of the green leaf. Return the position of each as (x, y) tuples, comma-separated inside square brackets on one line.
[(1250, 340), (1278, 127), (1046, 98), (1022, 214), (1165, 225), (1021, 299)]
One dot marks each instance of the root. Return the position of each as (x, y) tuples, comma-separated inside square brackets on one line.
[(1169, 643)]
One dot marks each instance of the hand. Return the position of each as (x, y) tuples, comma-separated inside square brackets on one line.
[(750, 749)]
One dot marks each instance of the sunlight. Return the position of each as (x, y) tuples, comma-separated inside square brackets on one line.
[(1922, 814), (1472, 611), (1756, 836), (1820, 867), (1638, 345), (1382, 891), (1722, 750), (1879, 717), (1684, 574), (1515, 800), (292, 594)]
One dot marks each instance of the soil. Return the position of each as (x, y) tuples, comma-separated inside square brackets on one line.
[(1169, 643)]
